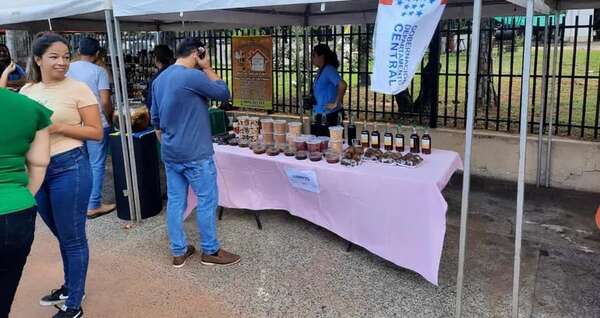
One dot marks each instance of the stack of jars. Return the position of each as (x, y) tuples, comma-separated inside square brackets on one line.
[(248, 128), (267, 130), (280, 129), (294, 130), (336, 138)]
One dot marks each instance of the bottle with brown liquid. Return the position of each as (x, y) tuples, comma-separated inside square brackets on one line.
[(375, 138), (365, 137), (426, 143), (388, 140), (399, 141), (351, 131), (414, 141)]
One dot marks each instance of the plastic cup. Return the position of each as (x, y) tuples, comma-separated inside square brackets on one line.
[(313, 145), (336, 133), (324, 143), (295, 127), (337, 146), (300, 143), (268, 138), (280, 126), (267, 125), (279, 138)]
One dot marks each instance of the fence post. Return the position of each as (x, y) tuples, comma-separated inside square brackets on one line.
[(434, 60)]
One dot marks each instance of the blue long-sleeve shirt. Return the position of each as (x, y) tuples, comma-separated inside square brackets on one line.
[(148, 93), (180, 110)]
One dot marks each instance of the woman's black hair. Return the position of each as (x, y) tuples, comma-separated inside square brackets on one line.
[(163, 54), (40, 45), (330, 56)]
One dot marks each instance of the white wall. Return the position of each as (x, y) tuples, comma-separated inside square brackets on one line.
[(582, 33)]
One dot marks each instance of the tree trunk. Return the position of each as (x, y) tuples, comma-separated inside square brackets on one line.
[(363, 56), (486, 93)]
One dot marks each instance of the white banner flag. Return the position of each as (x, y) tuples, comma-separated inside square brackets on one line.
[(403, 31)]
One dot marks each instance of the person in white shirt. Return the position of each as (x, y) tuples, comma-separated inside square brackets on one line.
[(96, 78)]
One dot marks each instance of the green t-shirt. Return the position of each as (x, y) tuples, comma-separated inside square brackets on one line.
[(20, 119)]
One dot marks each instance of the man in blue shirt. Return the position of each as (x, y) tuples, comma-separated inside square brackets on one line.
[(180, 116), (96, 78)]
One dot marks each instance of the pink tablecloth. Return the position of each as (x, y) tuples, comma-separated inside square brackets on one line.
[(397, 213)]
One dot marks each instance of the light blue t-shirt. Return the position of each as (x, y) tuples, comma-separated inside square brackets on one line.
[(325, 89), (95, 77)]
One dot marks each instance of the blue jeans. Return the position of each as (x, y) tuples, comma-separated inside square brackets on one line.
[(62, 204), (97, 152), (202, 177)]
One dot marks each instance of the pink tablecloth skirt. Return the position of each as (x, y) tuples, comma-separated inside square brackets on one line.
[(394, 212)]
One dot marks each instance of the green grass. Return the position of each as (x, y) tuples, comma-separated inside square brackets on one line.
[(453, 101), (583, 97)]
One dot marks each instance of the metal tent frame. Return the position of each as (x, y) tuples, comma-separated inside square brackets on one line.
[(41, 14)]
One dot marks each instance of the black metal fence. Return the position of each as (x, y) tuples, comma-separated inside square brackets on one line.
[(437, 96)]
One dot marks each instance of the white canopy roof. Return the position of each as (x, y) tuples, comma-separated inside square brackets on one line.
[(157, 15), (169, 14), (18, 11)]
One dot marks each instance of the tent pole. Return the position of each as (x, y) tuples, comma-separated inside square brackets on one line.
[(552, 103), (522, 156), (307, 65), (118, 97), (473, 67), (543, 103), (128, 129), (299, 81)]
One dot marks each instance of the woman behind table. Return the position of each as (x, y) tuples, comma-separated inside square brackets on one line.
[(163, 58), (24, 156), (329, 87), (63, 197)]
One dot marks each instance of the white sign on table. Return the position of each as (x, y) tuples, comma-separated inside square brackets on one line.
[(303, 179)]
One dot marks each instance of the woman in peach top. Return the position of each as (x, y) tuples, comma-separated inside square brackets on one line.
[(63, 198)]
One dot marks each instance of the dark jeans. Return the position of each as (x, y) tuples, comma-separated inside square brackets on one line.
[(62, 204), (320, 125), (16, 236)]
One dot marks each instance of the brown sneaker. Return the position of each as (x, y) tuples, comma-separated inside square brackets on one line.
[(102, 210), (222, 257), (179, 261)]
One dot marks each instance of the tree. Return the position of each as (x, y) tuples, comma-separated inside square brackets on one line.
[(486, 92)]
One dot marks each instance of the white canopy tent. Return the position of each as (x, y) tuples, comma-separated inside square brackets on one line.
[(38, 14), (21, 11), (160, 15), (172, 14)]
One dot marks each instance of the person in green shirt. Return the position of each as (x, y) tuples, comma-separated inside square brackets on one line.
[(24, 156)]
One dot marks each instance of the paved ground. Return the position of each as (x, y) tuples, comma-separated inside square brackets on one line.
[(295, 269)]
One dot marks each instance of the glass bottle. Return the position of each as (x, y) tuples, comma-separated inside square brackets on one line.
[(414, 141), (365, 137), (351, 130), (375, 138), (399, 141), (388, 140), (426, 143)]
